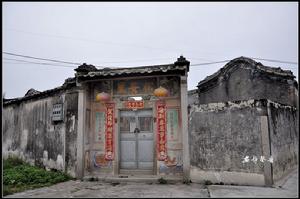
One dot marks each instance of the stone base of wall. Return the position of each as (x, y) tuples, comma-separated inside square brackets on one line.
[(19, 154), (236, 178), (287, 174)]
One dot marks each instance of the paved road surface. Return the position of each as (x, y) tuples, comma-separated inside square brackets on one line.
[(288, 188)]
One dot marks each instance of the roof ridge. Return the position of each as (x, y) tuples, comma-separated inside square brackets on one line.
[(253, 63), (134, 67)]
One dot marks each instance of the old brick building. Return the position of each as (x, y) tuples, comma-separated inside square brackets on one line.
[(70, 129), (134, 121), (244, 123)]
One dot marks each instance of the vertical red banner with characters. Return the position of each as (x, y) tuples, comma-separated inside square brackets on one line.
[(161, 131), (109, 132)]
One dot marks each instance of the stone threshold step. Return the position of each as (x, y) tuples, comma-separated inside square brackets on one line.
[(129, 178)]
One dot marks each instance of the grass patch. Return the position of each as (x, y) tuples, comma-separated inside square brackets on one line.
[(208, 182), (162, 181), (20, 176), (187, 181)]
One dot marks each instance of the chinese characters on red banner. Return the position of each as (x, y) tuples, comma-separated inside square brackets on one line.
[(161, 132), (109, 133), (134, 104)]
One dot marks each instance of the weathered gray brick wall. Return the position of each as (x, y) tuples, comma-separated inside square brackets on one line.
[(222, 131), (244, 83), (284, 136), (192, 97), (30, 133), (71, 131), (222, 134)]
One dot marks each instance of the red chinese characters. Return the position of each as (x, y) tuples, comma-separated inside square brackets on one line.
[(134, 104), (161, 132), (109, 132)]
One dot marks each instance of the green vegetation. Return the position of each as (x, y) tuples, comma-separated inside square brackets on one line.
[(187, 181), (208, 182), (162, 181), (20, 176)]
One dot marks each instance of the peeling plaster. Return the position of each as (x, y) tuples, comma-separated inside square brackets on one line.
[(24, 139), (277, 105), (242, 104), (221, 105), (60, 162), (45, 157), (72, 128), (6, 145), (50, 163)]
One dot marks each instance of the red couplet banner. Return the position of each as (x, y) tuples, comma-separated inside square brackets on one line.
[(109, 132), (161, 132)]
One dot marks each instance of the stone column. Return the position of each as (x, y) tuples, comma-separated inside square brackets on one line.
[(184, 122), (80, 133), (266, 148)]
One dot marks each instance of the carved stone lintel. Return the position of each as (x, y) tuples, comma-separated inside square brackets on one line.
[(123, 98), (147, 97)]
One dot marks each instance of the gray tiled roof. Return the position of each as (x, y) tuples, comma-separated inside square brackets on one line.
[(31, 93), (251, 63), (134, 70), (86, 71)]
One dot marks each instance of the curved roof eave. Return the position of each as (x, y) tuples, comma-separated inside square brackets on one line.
[(251, 63)]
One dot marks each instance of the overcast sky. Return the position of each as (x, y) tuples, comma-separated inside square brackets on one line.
[(136, 34)]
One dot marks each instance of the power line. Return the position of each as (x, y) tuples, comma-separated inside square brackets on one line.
[(106, 42), (132, 45), (59, 61), (273, 60), (53, 60), (83, 39), (208, 63), (95, 65), (41, 63), (77, 38), (37, 64), (270, 60), (190, 58)]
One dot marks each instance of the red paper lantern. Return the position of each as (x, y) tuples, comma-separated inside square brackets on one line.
[(102, 97), (161, 92)]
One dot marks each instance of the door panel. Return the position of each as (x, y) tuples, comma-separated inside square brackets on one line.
[(127, 141), (128, 157), (145, 154), (136, 139), (145, 140), (145, 150)]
